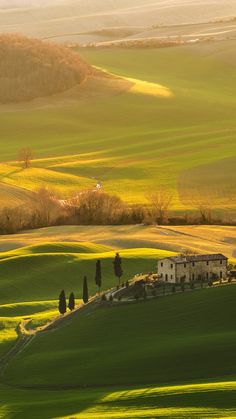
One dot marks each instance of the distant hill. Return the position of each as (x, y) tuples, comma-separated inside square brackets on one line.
[(16, 4), (63, 18), (31, 68)]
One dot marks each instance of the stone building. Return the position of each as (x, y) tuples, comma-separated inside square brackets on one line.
[(192, 268)]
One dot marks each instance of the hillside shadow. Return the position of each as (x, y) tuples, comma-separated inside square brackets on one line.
[(71, 403)]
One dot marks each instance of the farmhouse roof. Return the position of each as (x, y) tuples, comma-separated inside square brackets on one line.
[(198, 258)]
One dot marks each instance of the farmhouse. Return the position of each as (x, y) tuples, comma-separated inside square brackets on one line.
[(192, 268)]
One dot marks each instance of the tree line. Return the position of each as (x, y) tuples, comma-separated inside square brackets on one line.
[(118, 271), (90, 207), (96, 207)]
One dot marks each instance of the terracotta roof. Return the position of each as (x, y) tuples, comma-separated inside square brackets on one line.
[(198, 258)]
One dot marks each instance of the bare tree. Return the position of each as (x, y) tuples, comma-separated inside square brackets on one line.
[(161, 202), (205, 211), (203, 204), (25, 157), (46, 207), (13, 219), (95, 207)]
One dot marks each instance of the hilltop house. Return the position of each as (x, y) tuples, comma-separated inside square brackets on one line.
[(192, 268)]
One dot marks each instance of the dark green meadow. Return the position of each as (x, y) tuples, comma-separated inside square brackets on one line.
[(171, 357)]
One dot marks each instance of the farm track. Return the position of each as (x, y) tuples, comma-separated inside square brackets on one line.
[(22, 341), (25, 335)]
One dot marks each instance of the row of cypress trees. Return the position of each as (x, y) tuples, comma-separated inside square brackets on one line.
[(62, 302), (117, 263), (62, 307)]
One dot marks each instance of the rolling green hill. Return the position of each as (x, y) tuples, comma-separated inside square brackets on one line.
[(32, 277), (170, 357), (177, 130), (160, 341), (198, 401), (188, 339), (97, 239), (28, 275)]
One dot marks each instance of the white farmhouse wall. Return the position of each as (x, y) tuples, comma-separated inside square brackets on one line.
[(167, 270), (175, 272)]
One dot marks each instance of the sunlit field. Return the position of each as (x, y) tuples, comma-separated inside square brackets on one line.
[(99, 239), (118, 112), (133, 142), (115, 346), (215, 400), (199, 385), (33, 276)]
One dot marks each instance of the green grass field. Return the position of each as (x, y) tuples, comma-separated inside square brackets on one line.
[(171, 357), (137, 140), (97, 239), (41, 276), (137, 343), (36, 265), (33, 276), (208, 400), (149, 344)]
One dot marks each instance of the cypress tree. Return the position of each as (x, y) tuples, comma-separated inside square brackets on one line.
[(62, 303), (98, 275), (118, 267), (71, 304), (85, 290)]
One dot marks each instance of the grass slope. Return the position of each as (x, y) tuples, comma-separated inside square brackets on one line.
[(12, 314), (188, 337), (33, 276), (88, 239), (198, 401), (133, 142), (30, 275), (180, 338)]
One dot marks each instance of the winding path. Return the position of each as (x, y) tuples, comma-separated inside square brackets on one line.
[(25, 336)]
